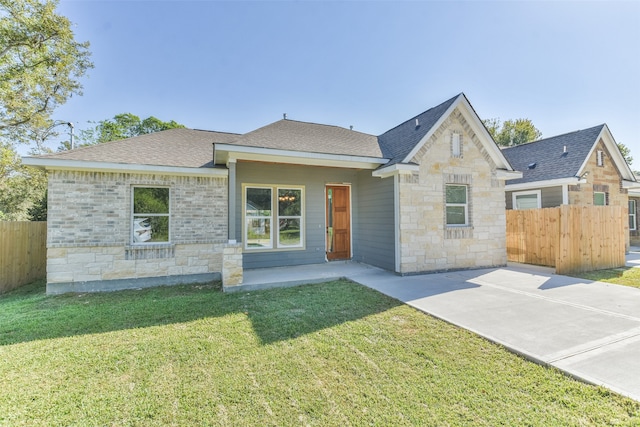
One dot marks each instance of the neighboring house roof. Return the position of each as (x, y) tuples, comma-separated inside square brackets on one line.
[(547, 160), (174, 147), (397, 143), (293, 135), (547, 157)]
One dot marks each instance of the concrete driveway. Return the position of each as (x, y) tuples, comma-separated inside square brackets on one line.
[(590, 330)]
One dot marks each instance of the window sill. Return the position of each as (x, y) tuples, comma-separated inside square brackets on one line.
[(149, 251), (458, 232)]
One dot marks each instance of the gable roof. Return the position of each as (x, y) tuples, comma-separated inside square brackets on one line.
[(292, 135), (397, 143), (173, 147), (546, 159)]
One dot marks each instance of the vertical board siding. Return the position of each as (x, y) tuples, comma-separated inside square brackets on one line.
[(374, 228), (569, 238), (23, 253)]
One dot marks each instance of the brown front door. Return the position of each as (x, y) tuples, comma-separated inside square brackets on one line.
[(338, 223)]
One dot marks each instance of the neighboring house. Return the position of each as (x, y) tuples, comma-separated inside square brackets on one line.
[(634, 210), (428, 195), (578, 168)]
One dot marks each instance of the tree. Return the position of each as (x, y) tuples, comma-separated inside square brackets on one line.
[(41, 64), (123, 126), (626, 153), (20, 186), (512, 132)]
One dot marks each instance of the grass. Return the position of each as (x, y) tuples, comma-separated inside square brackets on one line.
[(620, 276), (335, 354)]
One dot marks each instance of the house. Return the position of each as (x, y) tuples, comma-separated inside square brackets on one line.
[(584, 167), (427, 195)]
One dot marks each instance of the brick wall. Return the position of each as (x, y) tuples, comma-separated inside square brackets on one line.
[(605, 179), (427, 244), (89, 227)]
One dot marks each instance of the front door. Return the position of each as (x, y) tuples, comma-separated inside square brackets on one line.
[(338, 223)]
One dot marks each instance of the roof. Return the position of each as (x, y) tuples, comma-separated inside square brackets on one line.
[(311, 138), (545, 159), (173, 147), (397, 143)]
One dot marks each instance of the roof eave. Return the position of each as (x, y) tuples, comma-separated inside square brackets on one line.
[(546, 183), (90, 166), (225, 153), (395, 169)]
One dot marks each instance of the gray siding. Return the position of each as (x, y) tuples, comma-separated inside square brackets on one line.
[(314, 180), (374, 228), (551, 197)]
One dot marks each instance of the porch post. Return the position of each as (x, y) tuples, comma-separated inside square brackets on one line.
[(232, 201)]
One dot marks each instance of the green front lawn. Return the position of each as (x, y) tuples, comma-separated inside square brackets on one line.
[(334, 354), (620, 276)]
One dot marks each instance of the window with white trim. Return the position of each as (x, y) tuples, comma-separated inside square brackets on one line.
[(527, 200), (600, 158), (456, 205), (632, 215), (273, 217), (150, 215), (599, 198)]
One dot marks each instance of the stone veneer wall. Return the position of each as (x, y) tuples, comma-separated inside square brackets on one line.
[(89, 231), (605, 179), (426, 243)]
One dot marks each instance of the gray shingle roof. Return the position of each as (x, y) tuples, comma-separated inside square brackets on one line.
[(311, 138), (174, 147), (548, 155), (398, 142)]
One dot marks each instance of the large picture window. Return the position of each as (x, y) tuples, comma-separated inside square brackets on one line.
[(457, 208), (273, 217), (151, 214)]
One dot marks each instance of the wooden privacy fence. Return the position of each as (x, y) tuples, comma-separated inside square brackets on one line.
[(23, 253), (569, 238)]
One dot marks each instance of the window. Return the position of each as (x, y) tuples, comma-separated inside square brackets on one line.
[(527, 200), (456, 145), (150, 219), (632, 214), (599, 198), (456, 205), (600, 158), (273, 222)]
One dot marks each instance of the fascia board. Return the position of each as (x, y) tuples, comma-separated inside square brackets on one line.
[(395, 169), (541, 184), (506, 175), (434, 128), (479, 129), (239, 152), (630, 184), (79, 165), (617, 158)]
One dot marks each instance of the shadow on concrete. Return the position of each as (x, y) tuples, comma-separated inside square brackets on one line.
[(275, 315)]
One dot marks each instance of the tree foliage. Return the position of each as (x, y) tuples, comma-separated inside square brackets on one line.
[(41, 64), (122, 126), (512, 132), (626, 153), (21, 187)]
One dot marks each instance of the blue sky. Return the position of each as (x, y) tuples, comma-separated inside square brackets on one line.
[(236, 66)]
